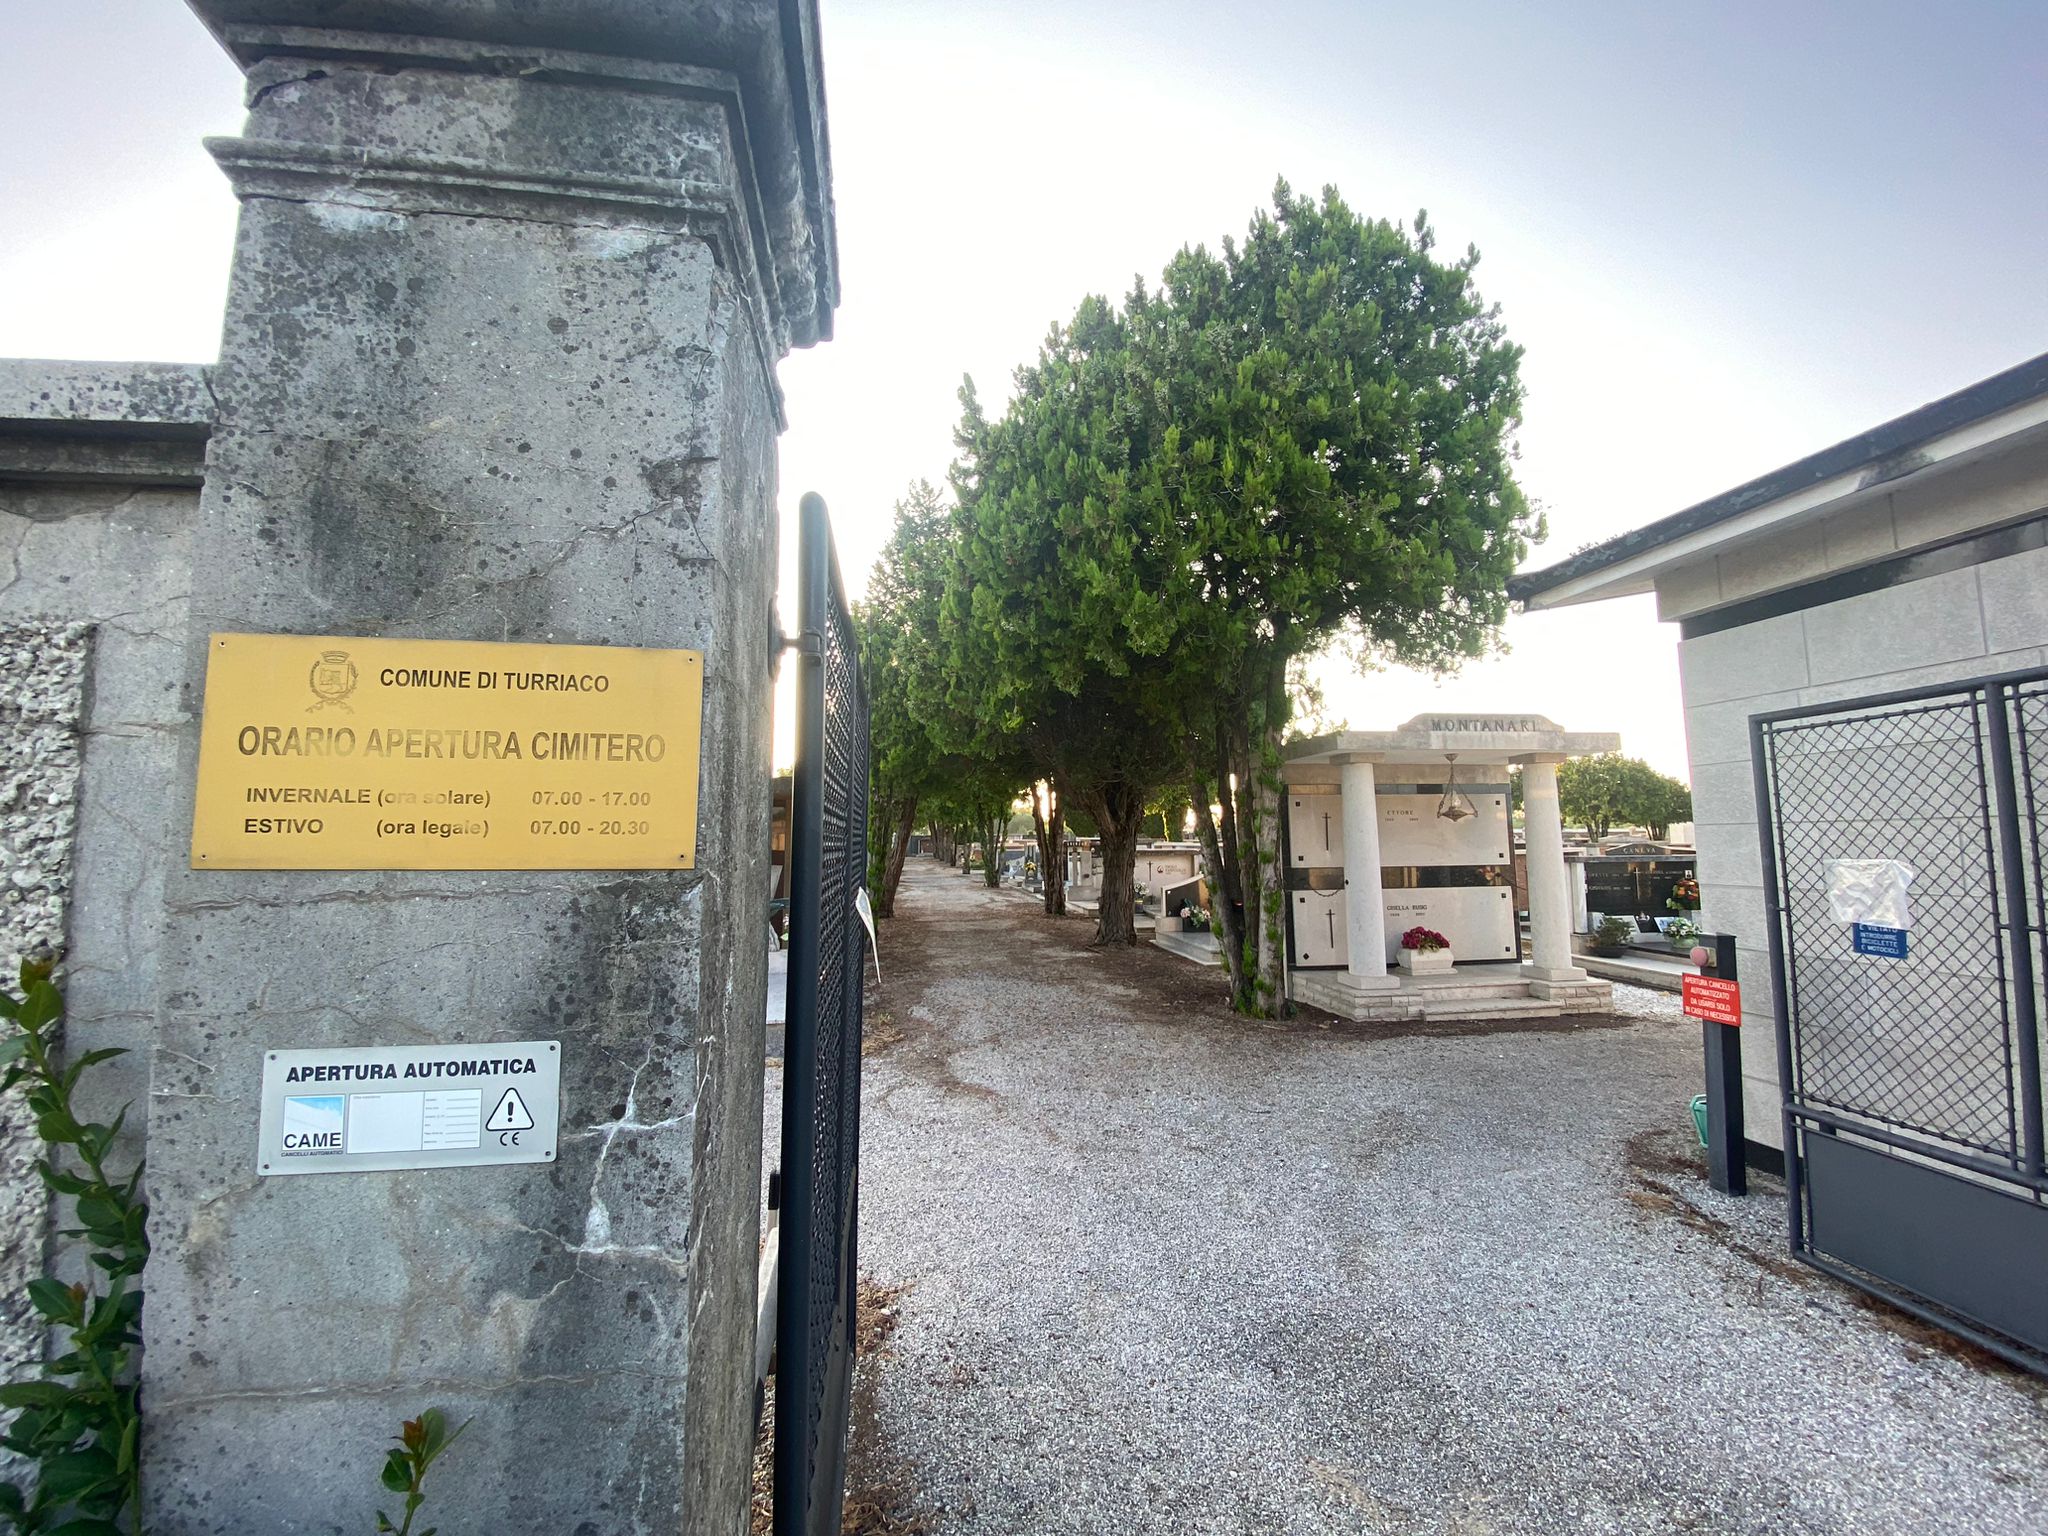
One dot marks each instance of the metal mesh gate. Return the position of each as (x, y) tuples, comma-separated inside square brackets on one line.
[(815, 1315), (1913, 1082)]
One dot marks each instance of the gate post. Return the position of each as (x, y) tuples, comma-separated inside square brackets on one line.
[(2018, 924), (510, 283), (1727, 1168)]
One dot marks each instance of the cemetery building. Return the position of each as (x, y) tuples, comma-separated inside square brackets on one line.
[(1386, 831), (1908, 557)]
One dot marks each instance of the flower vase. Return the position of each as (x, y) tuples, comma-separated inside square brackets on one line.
[(1426, 962)]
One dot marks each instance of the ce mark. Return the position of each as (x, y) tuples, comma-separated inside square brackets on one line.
[(509, 1138)]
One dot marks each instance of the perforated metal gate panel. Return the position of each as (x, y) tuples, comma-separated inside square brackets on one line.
[(1924, 1044), (821, 1061), (1913, 1082)]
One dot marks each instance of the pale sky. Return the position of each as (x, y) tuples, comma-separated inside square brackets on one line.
[(1727, 234)]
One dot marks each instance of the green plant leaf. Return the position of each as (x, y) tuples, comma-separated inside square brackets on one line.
[(71, 1475), (52, 1299), (63, 1183), (40, 1005), (397, 1475), (33, 1394), (100, 1211)]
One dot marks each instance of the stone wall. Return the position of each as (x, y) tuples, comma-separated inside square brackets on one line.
[(42, 693), (99, 468)]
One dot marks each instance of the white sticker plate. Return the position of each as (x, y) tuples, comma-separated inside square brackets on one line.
[(375, 1108)]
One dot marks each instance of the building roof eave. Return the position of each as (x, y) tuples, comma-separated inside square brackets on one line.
[(1962, 423)]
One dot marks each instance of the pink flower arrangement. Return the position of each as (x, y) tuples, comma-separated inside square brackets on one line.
[(1424, 939)]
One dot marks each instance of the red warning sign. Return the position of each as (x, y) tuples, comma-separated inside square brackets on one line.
[(1713, 998)]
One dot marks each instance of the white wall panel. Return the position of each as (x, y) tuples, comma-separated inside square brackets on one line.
[(1411, 832), (1479, 920), (1315, 831), (1319, 936)]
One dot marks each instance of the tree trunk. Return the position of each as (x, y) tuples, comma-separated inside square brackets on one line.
[(1222, 913), (899, 847), (1052, 853), (1119, 812), (1267, 722), (992, 832), (1249, 870), (1269, 986)]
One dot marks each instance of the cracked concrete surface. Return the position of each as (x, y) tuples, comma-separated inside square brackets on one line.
[(1172, 1271)]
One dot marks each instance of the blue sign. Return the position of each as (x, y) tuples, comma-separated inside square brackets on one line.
[(1888, 943)]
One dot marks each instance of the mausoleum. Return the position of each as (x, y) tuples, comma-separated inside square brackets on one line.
[(1392, 830)]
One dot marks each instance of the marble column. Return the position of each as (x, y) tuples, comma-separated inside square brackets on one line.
[(1550, 905), (1365, 923)]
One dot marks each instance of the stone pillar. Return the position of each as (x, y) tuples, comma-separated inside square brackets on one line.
[(509, 287), (1550, 907), (1365, 924)]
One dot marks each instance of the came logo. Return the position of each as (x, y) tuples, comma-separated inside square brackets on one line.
[(313, 1124), (332, 680)]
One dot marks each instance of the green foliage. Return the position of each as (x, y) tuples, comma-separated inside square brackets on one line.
[(1608, 791), (926, 747), (1030, 597), (420, 1444), (82, 1423), (1167, 812), (1613, 932), (898, 624), (1303, 439)]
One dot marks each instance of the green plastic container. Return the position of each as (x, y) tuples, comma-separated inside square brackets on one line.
[(1699, 1117)]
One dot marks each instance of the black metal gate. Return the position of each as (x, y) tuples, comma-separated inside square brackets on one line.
[(815, 1311), (1913, 1086)]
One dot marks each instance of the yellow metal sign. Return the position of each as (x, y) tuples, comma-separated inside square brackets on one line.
[(340, 752)]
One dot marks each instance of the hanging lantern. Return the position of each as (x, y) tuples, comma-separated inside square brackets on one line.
[(1456, 805)]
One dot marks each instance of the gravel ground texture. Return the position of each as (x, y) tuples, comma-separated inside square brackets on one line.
[(1166, 1270)]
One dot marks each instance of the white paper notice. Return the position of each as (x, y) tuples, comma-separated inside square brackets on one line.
[(867, 915), (1869, 891)]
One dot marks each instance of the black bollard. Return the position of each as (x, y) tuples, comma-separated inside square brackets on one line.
[(1727, 1170)]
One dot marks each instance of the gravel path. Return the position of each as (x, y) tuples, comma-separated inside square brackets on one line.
[(1169, 1271)]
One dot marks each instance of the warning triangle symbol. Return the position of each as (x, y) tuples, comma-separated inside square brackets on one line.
[(510, 1115)]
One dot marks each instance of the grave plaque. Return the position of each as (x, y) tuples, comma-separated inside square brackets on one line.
[(341, 752)]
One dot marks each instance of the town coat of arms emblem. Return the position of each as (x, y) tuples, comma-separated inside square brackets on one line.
[(333, 679)]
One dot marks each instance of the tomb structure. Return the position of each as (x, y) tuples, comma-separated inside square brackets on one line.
[(1392, 830)]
